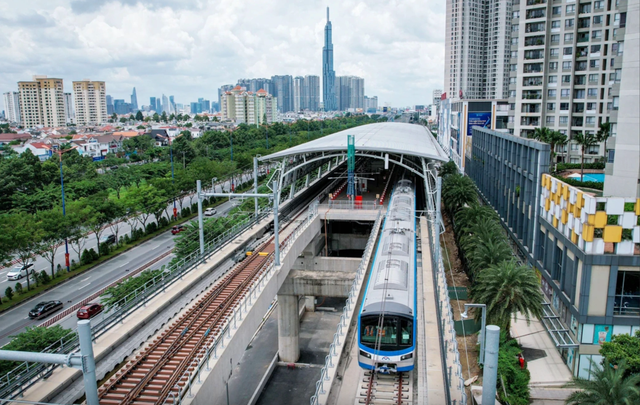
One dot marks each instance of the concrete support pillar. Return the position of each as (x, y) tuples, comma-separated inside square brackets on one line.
[(288, 328), (306, 181), (310, 303)]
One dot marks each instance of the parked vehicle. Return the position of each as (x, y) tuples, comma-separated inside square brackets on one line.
[(45, 308), (18, 272), (89, 311), (108, 239), (177, 229), (210, 212)]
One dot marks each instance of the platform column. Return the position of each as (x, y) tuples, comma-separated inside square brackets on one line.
[(310, 303), (288, 328)]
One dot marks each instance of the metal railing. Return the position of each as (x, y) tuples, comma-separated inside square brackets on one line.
[(347, 312), (202, 361), (351, 205), (24, 376), (449, 346)]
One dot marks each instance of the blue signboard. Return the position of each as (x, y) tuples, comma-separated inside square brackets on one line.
[(478, 119)]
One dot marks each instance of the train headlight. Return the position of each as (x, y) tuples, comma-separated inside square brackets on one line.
[(406, 356), (365, 354)]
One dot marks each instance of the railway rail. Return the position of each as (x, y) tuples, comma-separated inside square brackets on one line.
[(156, 375), (378, 389)]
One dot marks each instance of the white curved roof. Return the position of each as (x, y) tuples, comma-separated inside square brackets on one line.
[(390, 137)]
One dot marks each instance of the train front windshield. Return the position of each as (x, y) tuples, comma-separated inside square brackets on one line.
[(395, 333)]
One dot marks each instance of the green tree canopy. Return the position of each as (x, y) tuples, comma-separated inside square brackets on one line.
[(607, 386), (623, 347)]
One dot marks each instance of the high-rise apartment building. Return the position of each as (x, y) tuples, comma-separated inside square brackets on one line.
[(91, 102), (12, 106), (311, 93), (566, 68), (282, 87), (134, 100), (477, 48), (246, 107), (328, 74), (349, 92), (42, 102), (69, 110), (370, 104), (152, 103), (165, 105), (110, 107), (298, 89)]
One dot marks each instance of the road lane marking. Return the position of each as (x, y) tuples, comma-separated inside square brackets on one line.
[(86, 285), (85, 279)]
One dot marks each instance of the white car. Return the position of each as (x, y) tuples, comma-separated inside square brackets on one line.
[(18, 272), (210, 212)]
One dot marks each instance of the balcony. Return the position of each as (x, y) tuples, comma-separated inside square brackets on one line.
[(577, 122), (537, 40), (531, 95), (536, 13), (530, 121), (532, 81), (534, 2), (530, 108)]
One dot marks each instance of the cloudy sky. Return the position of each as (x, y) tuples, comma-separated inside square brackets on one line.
[(189, 48)]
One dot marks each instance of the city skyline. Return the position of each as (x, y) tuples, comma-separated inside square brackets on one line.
[(199, 47)]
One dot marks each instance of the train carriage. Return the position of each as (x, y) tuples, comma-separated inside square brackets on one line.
[(387, 318)]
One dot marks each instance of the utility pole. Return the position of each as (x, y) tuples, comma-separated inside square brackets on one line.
[(490, 375), (64, 213), (173, 179)]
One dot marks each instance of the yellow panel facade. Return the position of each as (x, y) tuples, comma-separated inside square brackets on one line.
[(557, 199), (591, 219), (576, 211), (574, 236), (612, 233), (601, 219), (565, 192), (580, 200), (587, 232), (638, 207), (564, 217), (555, 222), (547, 204)]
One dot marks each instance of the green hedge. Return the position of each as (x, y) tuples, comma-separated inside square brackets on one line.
[(565, 166), (577, 183)]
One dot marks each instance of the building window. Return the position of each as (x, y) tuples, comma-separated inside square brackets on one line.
[(564, 93), (627, 299), (611, 155), (551, 106), (594, 63), (590, 120), (592, 92), (568, 23), (593, 78), (557, 10), (553, 79), (557, 267), (596, 34), (616, 102), (563, 120), (597, 19), (568, 38), (571, 8), (618, 75), (598, 5), (566, 65), (553, 65), (591, 106), (554, 52), (551, 120), (555, 38), (551, 93), (566, 78), (564, 106), (567, 51), (555, 24)]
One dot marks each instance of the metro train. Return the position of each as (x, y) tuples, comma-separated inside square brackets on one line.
[(387, 318)]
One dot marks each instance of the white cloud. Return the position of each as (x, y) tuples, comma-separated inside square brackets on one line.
[(190, 48)]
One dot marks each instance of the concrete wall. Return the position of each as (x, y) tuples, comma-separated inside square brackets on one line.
[(318, 263), (318, 283), (212, 389), (339, 241)]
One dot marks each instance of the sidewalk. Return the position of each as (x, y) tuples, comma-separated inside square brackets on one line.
[(549, 373)]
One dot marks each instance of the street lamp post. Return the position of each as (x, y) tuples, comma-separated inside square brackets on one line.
[(173, 180), (483, 327), (64, 213)]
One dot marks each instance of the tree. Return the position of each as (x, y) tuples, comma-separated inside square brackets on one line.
[(551, 137), (78, 214), (156, 117), (623, 347), (585, 140), (163, 117), (56, 229), (458, 191), (146, 200), (101, 214), (123, 120), (608, 385), (603, 134), (23, 236), (507, 289), (139, 116), (33, 339), (114, 117)]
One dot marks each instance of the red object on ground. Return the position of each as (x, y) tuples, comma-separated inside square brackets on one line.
[(358, 201), (175, 212), (521, 362), (66, 259)]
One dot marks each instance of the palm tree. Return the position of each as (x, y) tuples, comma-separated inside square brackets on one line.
[(607, 386), (585, 140), (489, 252), (472, 215), (551, 137), (603, 134), (458, 191), (507, 289)]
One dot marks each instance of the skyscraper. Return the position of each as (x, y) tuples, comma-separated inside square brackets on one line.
[(298, 90), (282, 87), (477, 48), (328, 74), (152, 103), (91, 102), (68, 108), (311, 93), (42, 102), (349, 92), (110, 108), (134, 100), (12, 106), (165, 105)]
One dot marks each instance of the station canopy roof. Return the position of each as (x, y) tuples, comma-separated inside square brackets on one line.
[(388, 137)]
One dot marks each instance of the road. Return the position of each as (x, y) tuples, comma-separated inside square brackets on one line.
[(90, 241), (75, 290)]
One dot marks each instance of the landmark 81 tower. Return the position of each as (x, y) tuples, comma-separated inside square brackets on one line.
[(328, 74)]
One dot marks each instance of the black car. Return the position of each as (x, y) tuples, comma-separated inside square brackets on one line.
[(108, 239), (45, 308)]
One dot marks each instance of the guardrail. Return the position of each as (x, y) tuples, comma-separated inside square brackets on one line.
[(448, 347), (352, 205), (24, 376), (203, 360), (345, 317)]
